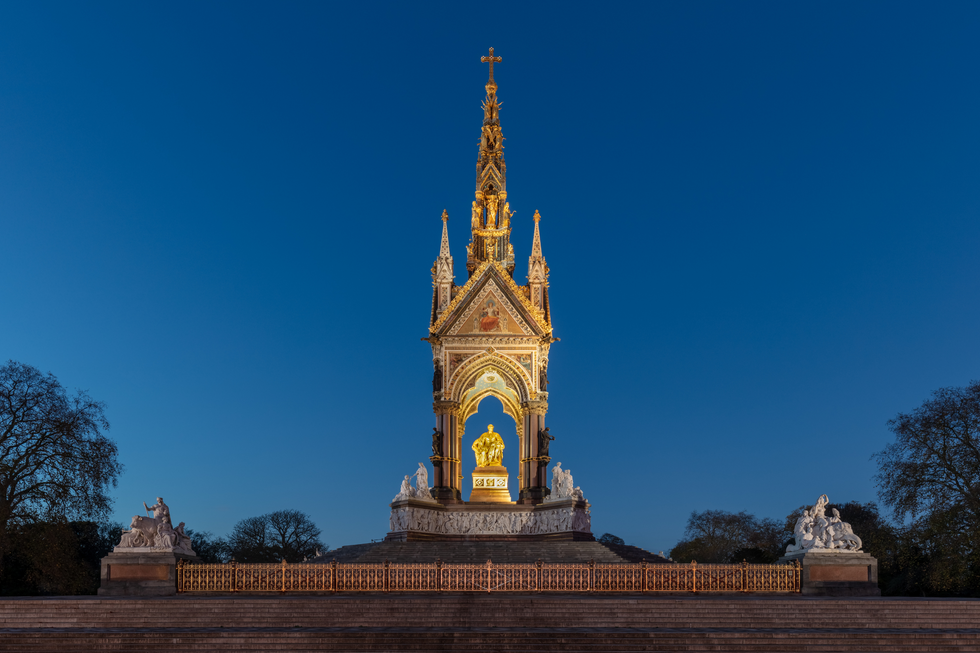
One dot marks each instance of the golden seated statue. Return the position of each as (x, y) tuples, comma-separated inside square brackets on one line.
[(489, 477)]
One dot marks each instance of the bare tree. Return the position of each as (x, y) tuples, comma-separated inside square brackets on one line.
[(55, 462), (294, 534), (721, 536), (934, 464), (288, 535)]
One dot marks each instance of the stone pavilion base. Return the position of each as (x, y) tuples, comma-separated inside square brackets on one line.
[(836, 573), (415, 520)]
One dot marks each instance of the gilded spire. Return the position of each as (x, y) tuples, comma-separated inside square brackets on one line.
[(491, 212)]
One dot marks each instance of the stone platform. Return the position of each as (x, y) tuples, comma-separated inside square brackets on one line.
[(428, 520), (480, 622)]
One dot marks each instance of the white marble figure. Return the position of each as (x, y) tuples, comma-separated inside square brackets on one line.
[(422, 483), (814, 531), (183, 540), (160, 510), (562, 485), (155, 532), (406, 491)]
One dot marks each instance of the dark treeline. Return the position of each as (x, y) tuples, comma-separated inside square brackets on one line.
[(930, 478), (56, 558)]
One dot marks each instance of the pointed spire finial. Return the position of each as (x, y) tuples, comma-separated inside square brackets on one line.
[(536, 244), (444, 247)]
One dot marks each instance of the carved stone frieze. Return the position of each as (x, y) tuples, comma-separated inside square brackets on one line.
[(526, 522)]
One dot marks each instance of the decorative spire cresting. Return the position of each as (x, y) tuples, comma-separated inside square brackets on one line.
[(491, 211)]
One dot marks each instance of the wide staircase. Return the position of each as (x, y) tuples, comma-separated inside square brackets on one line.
[(480, 622), (480, 552)]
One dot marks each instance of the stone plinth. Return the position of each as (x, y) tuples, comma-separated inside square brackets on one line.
[(490, 485), (141, 571), (417, 520), (836, 573)]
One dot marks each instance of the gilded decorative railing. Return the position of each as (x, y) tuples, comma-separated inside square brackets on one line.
[(488, 577)]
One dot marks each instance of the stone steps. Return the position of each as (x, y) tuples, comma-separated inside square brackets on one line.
[(568, 640), (459, 622), (469, 610), (500, 552)]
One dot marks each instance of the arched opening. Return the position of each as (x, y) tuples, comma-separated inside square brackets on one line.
[(478, 376), (491, 410)]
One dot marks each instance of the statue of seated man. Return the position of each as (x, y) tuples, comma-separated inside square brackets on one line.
[(489, 449)]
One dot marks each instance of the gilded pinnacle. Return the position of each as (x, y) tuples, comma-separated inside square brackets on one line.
[(537, 216), (445, 215)]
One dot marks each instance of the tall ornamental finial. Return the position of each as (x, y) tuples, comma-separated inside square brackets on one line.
[(491, 211), (490, 60)]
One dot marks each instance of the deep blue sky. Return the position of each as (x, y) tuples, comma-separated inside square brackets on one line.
[(761, 222)]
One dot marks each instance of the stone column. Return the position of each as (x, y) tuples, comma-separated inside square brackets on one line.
[(446, 465), (533, 479)]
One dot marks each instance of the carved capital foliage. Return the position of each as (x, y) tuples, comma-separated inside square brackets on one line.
[(445, 407), (535, 407)]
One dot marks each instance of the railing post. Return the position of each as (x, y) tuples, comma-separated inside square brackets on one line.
[(643, 577), (438, 575), (384, 577), (488, 574), (283, 579), (694, 576), (745, 575), (591, 575), (796, 563), (234, 576), (538, 565), (333, 575)]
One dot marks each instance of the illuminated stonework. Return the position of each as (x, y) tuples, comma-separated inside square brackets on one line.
[(490, 337)]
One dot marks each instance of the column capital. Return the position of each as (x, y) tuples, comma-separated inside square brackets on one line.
[(535, 407), (445, 407)]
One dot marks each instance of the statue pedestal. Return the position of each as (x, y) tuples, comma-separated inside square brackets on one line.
[(490, 485), (141, 571), (836, 573)]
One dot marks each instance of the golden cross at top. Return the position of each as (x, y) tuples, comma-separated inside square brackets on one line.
[(490, 61)]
